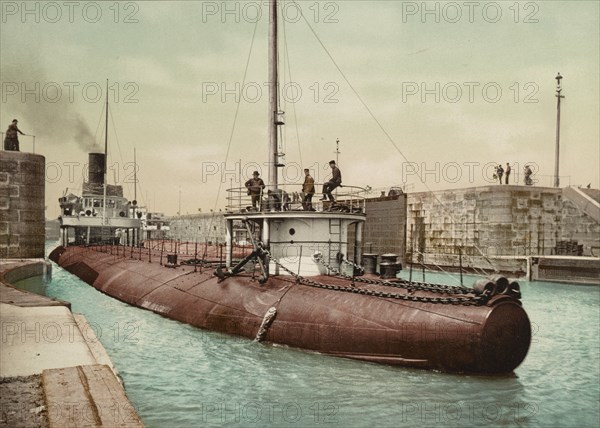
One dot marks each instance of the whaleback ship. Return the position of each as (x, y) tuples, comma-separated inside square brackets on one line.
[(297, 284)]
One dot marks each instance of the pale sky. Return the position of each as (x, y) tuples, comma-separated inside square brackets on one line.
[(455, 86)]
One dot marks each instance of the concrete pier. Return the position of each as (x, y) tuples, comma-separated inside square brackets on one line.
[(53, 370), (36, 338)]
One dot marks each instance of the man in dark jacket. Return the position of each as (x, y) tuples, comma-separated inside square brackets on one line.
[(336, 180), (255, 187), (499, 172), (11, 142), (308, 190)]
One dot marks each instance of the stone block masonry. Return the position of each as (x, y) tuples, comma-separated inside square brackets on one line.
[(22, 205), (493, 224), (205, 227)]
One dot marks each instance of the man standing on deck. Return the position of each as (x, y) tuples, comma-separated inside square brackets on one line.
[(11, 142), (308, 190), (255, 187), (507, 172), (336, 180)]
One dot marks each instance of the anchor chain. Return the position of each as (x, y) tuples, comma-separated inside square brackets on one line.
[(475, 300), (348, 262), (401, 283), (197, 262)]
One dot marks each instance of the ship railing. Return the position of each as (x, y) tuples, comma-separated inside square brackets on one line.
[(198, 248), (289, 197), (77, 211), (186, 252)]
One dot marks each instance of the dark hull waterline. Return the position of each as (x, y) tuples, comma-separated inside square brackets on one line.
[(487, 339)]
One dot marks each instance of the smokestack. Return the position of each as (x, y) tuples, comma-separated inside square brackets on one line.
[(96, 169)]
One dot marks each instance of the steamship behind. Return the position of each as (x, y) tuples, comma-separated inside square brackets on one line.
[(99, 217)]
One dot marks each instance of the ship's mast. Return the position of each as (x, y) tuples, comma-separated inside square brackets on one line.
[(134, 176), (273, 96), (105, 157)]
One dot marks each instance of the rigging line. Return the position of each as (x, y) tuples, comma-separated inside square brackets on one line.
[(98, 126), (237, 110), (112, 120), (141, 195), (441, 269), (289, 68), (417, 251), (79, 185), (389, 137), (114, 127), (476, 270)]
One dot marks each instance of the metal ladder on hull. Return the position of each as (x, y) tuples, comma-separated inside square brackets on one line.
[(335, 237)]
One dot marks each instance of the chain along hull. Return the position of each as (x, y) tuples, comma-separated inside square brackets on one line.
[(490, 338)]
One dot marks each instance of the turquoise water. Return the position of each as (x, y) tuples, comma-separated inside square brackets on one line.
[(180, 376)]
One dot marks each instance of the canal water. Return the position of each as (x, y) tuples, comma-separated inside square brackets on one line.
[(180, 376)]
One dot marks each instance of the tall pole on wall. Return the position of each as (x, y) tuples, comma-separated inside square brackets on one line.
[(557, 150)]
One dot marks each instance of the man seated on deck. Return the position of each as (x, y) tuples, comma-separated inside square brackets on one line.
[(336, 181)]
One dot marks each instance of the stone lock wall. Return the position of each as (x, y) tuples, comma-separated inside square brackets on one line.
[(495, 223), (22, 205), (205, 227)]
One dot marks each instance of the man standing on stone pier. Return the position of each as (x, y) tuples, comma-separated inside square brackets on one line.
[(507, 171), (499, 172), (11, 142), (528, 172)]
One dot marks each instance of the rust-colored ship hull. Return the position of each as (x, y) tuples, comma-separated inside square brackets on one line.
[(489, 338)]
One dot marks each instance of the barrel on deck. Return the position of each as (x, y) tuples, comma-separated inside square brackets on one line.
[(389, 270), (389, 258), (369, 263)]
